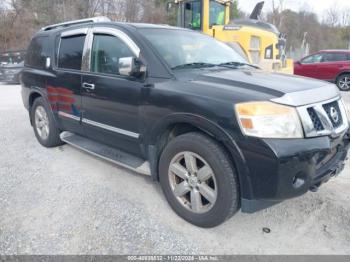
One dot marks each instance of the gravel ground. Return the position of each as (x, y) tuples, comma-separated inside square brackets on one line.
[(64, 201)]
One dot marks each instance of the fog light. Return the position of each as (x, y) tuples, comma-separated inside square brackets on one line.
[(298, 181)]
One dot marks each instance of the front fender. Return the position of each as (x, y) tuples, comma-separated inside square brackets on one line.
[(212, 129)]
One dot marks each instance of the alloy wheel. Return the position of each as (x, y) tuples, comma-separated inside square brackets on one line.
[(344, 83), (42, 122), (193, 182)]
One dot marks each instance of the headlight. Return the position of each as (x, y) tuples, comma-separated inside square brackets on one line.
[(269, 120)]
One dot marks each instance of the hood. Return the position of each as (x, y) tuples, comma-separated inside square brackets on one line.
[(282, 88)]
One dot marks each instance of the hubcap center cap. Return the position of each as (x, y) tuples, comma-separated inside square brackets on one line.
[(193, 181)]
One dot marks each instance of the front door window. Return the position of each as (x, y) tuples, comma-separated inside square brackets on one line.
[(106, 52), (312, 59)]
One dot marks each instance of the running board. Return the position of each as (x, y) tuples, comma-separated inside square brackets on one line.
[(107, 153)]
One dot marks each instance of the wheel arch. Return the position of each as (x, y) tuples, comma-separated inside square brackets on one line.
[(345, 72), (179, 124), (35, 94)]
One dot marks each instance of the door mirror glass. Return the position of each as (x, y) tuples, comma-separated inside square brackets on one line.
[(131, 66)]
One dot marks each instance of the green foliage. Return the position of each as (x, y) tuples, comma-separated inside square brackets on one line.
[(24, 17), (318, 35), (235, 12)]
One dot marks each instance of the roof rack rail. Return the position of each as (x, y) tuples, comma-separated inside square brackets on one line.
[(77, 22)]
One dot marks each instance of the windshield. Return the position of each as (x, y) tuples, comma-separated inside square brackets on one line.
[(181, 47)]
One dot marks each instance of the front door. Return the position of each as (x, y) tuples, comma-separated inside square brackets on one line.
[(308, 66), (111, 101)]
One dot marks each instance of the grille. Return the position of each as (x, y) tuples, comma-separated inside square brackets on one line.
[(315, 119), (324, 119), (334, 114)]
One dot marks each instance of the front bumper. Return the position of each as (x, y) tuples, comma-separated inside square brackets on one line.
[(281, 169), (10, 78)]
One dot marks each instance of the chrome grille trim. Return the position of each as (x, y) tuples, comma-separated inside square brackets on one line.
[(328, 128)]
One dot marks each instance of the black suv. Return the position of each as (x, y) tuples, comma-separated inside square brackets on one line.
[(219, 134)]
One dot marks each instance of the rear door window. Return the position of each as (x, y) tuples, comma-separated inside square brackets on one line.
[(37, 52), (71, 52), (334, 57)]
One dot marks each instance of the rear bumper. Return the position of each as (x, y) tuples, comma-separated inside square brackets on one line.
[(284, 169)]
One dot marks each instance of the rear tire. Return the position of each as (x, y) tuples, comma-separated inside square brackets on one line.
[(198, 180), (343, 82), (44, 125)]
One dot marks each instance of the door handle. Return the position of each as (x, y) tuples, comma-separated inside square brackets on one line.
[(88, 86)]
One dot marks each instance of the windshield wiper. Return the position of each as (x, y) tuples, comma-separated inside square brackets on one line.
[(238, 64), (194, 65)]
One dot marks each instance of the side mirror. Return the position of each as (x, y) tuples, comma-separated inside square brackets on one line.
[(131, 66)]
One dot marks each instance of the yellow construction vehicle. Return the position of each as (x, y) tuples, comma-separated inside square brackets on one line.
[(261, 42)]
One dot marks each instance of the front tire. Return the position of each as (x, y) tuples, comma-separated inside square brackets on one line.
[(44, 125), (198, 180), (343, 82)]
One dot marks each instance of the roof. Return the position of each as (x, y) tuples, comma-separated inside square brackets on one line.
[(145, 25), (73, 24), (336, 50)]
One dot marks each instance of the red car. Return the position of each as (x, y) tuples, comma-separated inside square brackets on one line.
[(329, 65)]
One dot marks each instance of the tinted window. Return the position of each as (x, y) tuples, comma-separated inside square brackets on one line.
[(37, 52), (71, 52), (193, 14), (106, 52), (334, 57), (217, 13), (312, 59)]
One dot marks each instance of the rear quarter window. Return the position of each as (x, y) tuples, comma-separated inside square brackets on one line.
[(37, 52), (70, 52), (337, 57)]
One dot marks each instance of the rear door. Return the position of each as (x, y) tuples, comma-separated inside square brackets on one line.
[(64, 91), (331, 65), (111, 101)]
